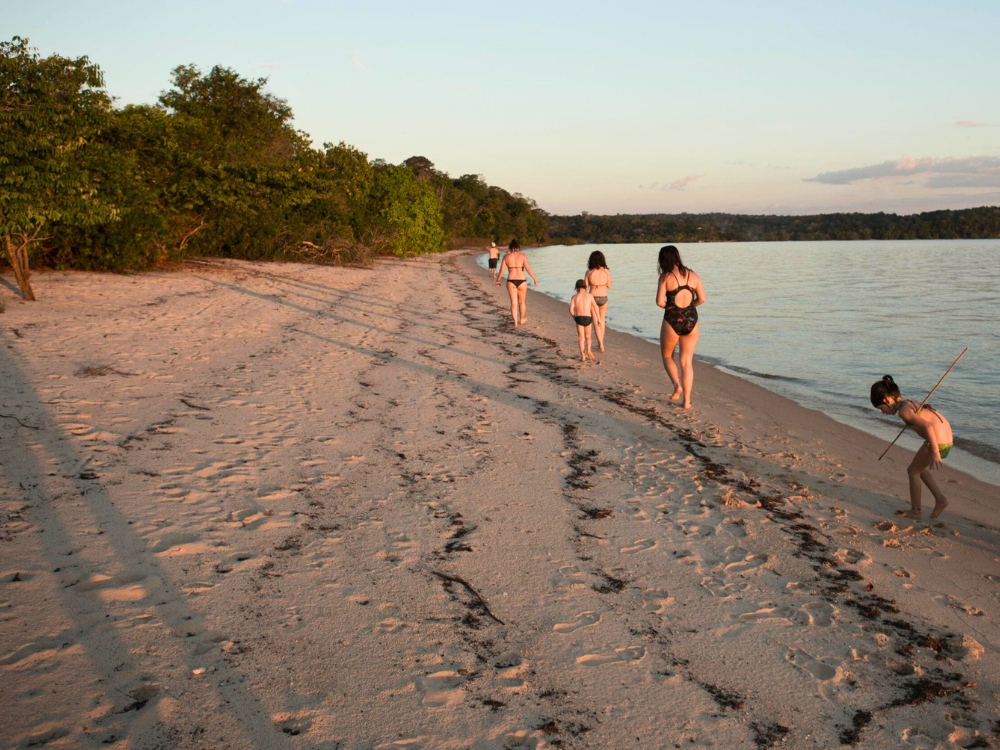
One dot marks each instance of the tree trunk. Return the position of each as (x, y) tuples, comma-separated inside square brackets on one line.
[(18, 258)]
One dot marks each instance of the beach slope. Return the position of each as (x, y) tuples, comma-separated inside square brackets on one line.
[(283, 506)]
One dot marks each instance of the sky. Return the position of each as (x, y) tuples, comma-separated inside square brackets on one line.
[(744, 106)]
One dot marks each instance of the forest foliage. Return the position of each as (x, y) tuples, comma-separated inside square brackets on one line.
[(215, 167), (971, 223)]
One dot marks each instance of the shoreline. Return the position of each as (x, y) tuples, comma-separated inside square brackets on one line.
[(280, 505), (969, 456)]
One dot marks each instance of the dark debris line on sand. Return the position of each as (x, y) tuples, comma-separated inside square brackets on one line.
[(838, 584)]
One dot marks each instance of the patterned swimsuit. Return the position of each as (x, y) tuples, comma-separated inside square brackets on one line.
[(681, 319)]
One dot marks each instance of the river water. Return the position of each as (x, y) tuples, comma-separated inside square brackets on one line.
[(819, 322)]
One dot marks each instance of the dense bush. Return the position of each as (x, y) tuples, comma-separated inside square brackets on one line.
[(214, 168)]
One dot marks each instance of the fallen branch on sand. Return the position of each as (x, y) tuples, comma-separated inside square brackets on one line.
[(29, 426), (475, 594)]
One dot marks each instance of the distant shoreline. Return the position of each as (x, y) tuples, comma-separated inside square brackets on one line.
[(970, 223)]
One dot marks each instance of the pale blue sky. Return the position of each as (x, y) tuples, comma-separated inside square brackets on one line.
[(751, 107)]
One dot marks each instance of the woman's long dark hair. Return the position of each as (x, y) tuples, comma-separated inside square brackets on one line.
[(670, 259), (514, 246), (596, 260), (882, 389)]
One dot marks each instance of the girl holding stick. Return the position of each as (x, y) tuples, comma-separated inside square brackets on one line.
[(931, 425)]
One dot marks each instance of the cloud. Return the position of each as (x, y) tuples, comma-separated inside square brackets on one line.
[(683, 182), (356, 60), (970, 171), (972, 124)]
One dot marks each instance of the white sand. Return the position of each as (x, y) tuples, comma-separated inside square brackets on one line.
[(333, 508)]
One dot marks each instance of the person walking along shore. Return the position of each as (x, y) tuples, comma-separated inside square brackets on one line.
[(679, 292), (516, 264)]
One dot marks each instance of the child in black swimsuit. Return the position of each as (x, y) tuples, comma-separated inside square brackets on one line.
[(581, 307)]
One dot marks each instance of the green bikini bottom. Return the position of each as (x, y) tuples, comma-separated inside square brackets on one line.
[(943, 448)]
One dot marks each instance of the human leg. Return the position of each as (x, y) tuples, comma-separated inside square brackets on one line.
[(918, 467), (522, 298), (688, 344), (586, 335), (668, 342), (599, 312), (581, 339), (512, 291), (940, 501)]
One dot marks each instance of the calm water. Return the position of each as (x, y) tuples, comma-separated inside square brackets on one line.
[(819, 322)]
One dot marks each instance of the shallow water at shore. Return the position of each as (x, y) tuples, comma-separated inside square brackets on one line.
[(818, 322)]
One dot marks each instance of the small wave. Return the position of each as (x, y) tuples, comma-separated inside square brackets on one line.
[(980, 450), (762, 375)]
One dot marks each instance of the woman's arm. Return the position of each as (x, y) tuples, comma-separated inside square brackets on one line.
[(500, 270), (661, 292), (527, 267), (699, 289), (608, 285)]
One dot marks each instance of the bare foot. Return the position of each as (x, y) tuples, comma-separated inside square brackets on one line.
[(524, 320), (687, 405), (590, 354), (602, 348), (916, 515), (676, 395), (939, 508)]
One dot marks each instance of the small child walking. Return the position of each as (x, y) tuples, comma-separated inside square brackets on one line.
[(931, 425), (581, 307)]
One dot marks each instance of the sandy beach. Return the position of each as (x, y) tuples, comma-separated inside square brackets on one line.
[(286, 506)]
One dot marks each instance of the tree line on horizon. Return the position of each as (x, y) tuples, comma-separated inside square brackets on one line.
[(214, 168), (970, 223)]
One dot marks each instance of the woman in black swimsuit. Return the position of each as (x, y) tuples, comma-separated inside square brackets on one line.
[(516, 263), (679, 292)]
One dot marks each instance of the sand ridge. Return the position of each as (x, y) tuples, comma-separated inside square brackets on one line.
[(275, 505)]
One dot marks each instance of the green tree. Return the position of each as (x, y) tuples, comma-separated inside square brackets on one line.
[(404, 212), (51, 108)]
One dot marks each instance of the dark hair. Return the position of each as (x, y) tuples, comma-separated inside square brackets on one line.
[(596, 260), (514, 245), (581, 284), (670, 259), (882, 389)]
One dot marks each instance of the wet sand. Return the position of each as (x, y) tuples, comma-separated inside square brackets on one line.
[(266, 505)]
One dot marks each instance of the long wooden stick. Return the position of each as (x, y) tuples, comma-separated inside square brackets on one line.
[(925, 401)]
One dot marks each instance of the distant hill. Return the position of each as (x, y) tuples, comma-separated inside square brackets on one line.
[(970, 223)]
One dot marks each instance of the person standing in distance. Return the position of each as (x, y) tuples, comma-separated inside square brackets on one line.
[(494, 256)]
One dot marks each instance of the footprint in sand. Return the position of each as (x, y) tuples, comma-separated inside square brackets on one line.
[(510, 670), (721, 589), (441, 689), (778, 614), (412, 743), (128, 587), (640, 545), (656, 601), (816, 614), (852, 556), (748, 563), (960, 605), (635, 512), (179, 543), (810, 665), (618, 656), (582, 620)]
